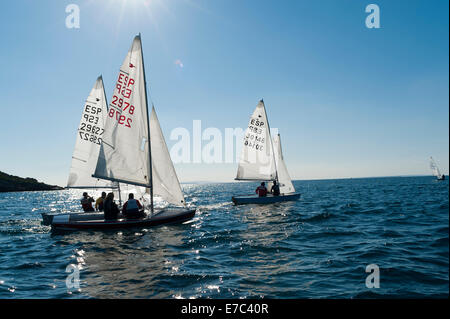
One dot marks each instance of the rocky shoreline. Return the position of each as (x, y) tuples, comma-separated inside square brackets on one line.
[(11, 183)]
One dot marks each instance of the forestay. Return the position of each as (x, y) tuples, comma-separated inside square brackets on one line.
[(165, 180), (284, 180), (124, 153), (89, 138), (257, 159)]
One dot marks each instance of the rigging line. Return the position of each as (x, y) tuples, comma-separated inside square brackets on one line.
[(148, 127)]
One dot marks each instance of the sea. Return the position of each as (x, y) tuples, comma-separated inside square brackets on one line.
[(347, 238)]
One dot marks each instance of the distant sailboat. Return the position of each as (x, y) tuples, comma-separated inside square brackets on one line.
[(435, 170), (262, 160), (125, 154)]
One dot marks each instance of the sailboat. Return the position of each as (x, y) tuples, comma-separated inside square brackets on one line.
[(262, 160), (133, 151), (87, 147), (435, 169)]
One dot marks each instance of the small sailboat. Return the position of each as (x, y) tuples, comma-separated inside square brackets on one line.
[(435, 169), (87, 147), (133, 151), (262, 160)]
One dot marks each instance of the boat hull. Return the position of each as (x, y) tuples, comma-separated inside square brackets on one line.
[(269, 199), (165, 216), (47, 218)]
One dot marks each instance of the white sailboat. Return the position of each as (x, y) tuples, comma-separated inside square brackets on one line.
[(435, 170), (133, 151), (262, 160)]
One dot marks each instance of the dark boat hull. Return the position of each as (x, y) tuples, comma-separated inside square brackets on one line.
[(269, 199), (165, 216)]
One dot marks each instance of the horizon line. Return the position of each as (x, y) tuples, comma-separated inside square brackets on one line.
[(311, 179)]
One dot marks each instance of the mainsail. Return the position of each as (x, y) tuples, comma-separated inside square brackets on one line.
[(165, 180), (89, 139), (124, 153), (284, 180), (257, 160), (434, 168)]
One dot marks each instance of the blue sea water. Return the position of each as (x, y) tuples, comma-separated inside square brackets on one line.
[(317, 247)]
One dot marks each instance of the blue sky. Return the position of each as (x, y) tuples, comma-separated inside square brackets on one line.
[(348, 101)]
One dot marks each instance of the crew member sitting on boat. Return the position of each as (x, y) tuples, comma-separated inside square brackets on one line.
[(111, 211), (86, 203), (132, 208), (99, 202), (275, 190), (261, 190)]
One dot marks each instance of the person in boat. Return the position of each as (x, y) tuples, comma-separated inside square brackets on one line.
[(261, 190), (110, 209), (99, 202), (132, 208), (86, 203), (275, 190)]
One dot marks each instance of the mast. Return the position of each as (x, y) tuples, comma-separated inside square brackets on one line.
[(103, 115), (148, 131), (271, 142), (120, 197), (106, 99), (281, 150)]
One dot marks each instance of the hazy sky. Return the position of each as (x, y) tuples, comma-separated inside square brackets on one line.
[(348, 101)]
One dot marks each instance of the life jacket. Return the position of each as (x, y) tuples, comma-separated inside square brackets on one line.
[(99, 203), (131, 209), (132, 205), (276, 190), (86, 204), (262, 191), (110, 209)]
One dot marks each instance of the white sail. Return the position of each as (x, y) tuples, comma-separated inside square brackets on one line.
[(284, 180), (257, 160), (124, 153), (165, 180), (125, 189), (89, 138), (434, 168)]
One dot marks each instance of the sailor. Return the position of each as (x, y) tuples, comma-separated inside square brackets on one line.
[(99, 202), (261, 190), (275, 190), (86, 203), (132, 208), (110, 208)]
